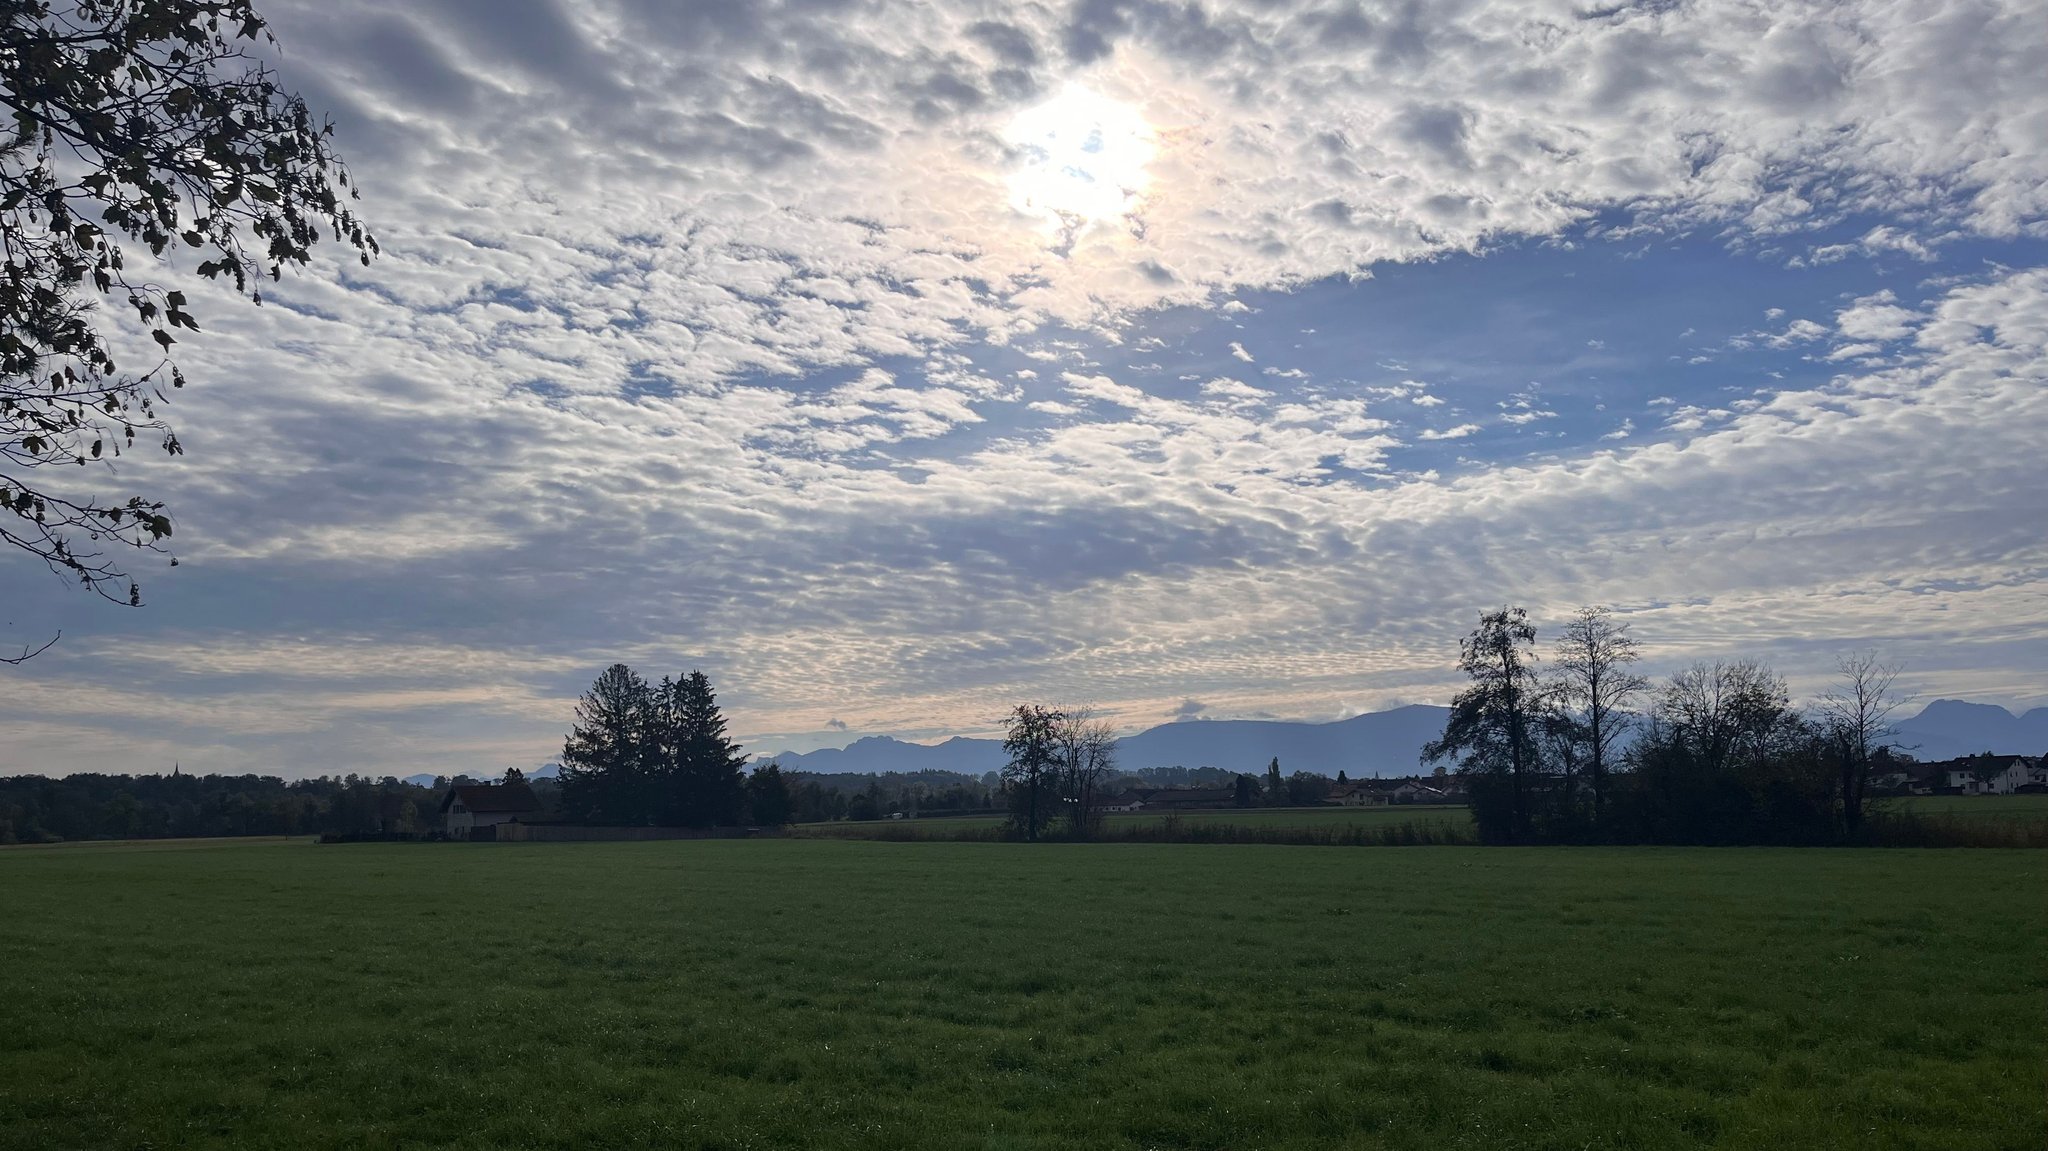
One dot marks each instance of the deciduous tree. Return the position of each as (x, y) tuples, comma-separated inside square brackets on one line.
[(133, 127), (1857, 713), (1492, 726), (1594, 685), (1031, 740)]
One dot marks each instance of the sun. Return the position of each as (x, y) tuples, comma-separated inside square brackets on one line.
[(1081, 158)]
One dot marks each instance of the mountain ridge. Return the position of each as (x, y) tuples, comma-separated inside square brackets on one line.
[(1377, 743)]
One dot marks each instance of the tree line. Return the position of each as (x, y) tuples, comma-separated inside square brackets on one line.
[(1594, 751), (37, 809)]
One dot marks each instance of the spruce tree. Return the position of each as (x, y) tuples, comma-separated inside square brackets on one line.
[(604, 757)]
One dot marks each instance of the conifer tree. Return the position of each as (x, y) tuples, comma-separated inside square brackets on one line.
[(604, 758)]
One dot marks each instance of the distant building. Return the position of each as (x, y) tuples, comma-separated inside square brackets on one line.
[(1365, 793), (1127, 801), (467, 807), (1173, 798), (1971, 775)]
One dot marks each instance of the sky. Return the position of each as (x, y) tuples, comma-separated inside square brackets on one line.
[(894, 363)]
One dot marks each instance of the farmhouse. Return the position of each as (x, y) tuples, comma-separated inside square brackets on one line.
[(467, 807)]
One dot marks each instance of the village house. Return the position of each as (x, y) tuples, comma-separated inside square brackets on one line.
[(467, 807), (1364, 793), (1971, 775)]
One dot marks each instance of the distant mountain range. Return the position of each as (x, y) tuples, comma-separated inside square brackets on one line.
[(1950, 728), (1376, 743), (1380, 743), (544, 771)]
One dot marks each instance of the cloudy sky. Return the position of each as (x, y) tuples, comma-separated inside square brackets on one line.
[(895, 362)]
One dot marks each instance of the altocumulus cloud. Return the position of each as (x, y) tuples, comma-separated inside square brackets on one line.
[(702, 338)]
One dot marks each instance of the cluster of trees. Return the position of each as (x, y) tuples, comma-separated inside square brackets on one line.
[(818, 797), (1302, 789), (1061, 761), (1595, 752), (643, 754), (36, 809)]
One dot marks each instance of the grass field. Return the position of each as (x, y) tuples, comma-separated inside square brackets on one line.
[(941, 827), (803, 993), (1967, 809), (2032, 808)]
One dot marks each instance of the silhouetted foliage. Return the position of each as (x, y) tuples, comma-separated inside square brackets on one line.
[(134, 125), (1031, 740), (643, 755), (1721, 757), (768, 799), (1494, 723), (35, 809)]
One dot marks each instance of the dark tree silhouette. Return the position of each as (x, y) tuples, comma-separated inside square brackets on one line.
[(1492, 726), (1857, 713), (769, 801), (604, 759), (1594, 686), (1031, 740), (134, 125), (695, 768), (1276, 787), (1086, 749)]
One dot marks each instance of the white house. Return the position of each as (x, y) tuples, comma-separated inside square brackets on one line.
[(470, 806), (1128, 801), (1357, 795), (1985, 774)]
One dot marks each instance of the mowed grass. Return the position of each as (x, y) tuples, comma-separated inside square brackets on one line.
[(2010, 808), (817, 993), (942, 826)]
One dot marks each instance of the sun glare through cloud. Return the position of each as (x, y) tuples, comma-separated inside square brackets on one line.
[(1080, 158)]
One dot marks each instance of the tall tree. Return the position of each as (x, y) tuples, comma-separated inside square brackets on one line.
[(1031, 740), (1492, 726), (604, 758), (133, 125), (698, 771), (1276, 787), (1595, 683), (1087, 757), (1857, 713)]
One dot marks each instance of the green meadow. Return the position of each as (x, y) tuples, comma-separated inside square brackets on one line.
[(816, 993)]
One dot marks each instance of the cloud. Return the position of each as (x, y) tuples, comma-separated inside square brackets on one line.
[(686, 350), (1876, 317), (836, 724), (1188, 709)]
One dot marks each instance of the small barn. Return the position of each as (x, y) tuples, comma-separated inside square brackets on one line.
[(469, 806)]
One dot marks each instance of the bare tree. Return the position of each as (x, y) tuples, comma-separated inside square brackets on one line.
[(1726, 712), (1087, 757), (1857, 713), (1595, 683)]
